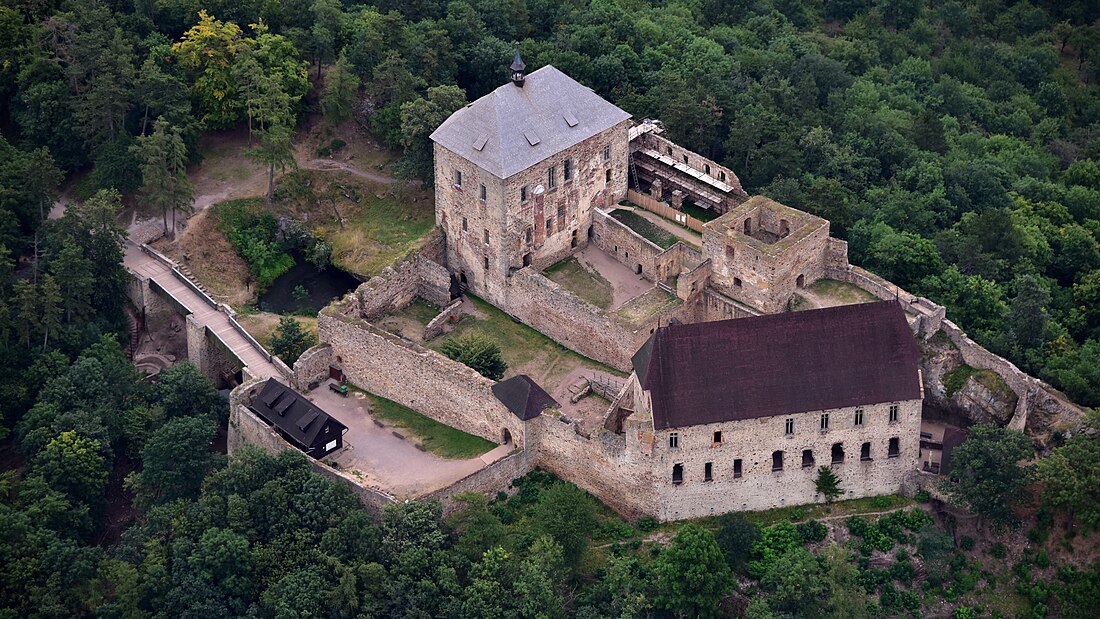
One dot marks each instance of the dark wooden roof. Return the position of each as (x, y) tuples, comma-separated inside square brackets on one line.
[(297, 417), (523, 397), (779, 364)]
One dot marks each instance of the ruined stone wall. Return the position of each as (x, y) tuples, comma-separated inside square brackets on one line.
[(489, 238), (448, 314), (754, 440), (311, 369), (695, 160), (605, 464), (717, 306), (836, 254), (397, 286), (631, 249), (565, 318), (245, 428), (494, 478), (691, 283), (416, 377), (928, 315)]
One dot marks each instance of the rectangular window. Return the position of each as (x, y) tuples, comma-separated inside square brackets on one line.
[(486, 262), (481, 193), (894, 448), (561, 211), (706, 168), (673, 440), (567, 169), (893, 413), (718, 437), (486, 237), (607, 176), (685, 158), (788, 427), (722, 176), (708, 471), (527, 235), (777, 460), (552, 177), (737, 468), (859, 416), (607, 153), (465, 225), (677, 473), (523, 194), (458, 179), (865, 452), (824, 422)]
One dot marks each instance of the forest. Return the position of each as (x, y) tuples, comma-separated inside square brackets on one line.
[(954, 144)]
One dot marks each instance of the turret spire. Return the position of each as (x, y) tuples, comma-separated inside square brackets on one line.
[(517, 69)]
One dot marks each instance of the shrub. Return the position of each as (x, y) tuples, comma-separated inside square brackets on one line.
[(477, 352), (812, 531), (966, 543), (647, 523), (1042, 560), (254, 235), (923, 496), (880, 502), (998, 550)]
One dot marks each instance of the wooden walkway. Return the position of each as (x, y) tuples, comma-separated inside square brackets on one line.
[(201, 309)]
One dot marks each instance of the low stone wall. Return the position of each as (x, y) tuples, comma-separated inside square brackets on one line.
[(488, 481), (311, 368), (930, 316), (397, 286), (627, 246), (565, 318), (416, 377), (449, 314), (245, 428)]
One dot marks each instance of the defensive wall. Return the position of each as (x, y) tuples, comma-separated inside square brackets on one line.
[(397, 286)]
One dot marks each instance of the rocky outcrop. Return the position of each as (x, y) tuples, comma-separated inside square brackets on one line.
[(956, 391)]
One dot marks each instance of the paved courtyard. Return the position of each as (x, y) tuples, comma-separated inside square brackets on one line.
[(381, 460)]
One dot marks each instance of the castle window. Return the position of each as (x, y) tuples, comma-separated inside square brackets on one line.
[(777, 461), (607, 153), (788, 427), (737, 282), (549, 225), (607, 175), (708, 471), (824, 421), (458, 179), (807, 458), (527, 235), (486, 237), (737, 468), (486, 262), (894, 449), (865, 452), (465, 225), (730, 252), (561, 212), (552, 177), (523, 194), (722, 176), (893, 413), (481, 192), (685, 158), (669, 151), (706, 168), (673, 440), (677, 473), (567, 169), (838, 453), (859, 416), (526, 260), (718, 437)]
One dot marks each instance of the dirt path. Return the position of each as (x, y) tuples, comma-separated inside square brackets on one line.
[(812, 299), (332, 164)]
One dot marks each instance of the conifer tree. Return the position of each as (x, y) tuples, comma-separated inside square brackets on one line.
[(828, 484)]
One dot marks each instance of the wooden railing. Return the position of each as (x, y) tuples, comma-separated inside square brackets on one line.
[(654, 206)]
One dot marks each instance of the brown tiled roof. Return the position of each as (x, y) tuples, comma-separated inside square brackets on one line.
[(779, 364), (523, 397)]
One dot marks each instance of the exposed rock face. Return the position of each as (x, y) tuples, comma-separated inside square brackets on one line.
[(981, 398)]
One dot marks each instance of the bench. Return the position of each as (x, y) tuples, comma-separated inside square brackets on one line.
[(338, 389)]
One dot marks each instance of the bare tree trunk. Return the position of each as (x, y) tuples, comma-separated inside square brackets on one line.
[(144, 120), (271, 184)]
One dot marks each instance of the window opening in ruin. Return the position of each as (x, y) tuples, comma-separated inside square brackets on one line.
[(801, 281), (465, 225), (722, 176), (824, 422), (523, 194), (788, 427), (748, 226), (549, 225), (486, 237), (638, 269), (486, 262), (865, 452), (737, 468), (607, 175), (859, 416), (462, 278), (737, 282), (777, 461), (784, 227), (458, 179), (526, 260), (561, 211), (670, 151), (893, 413), (838, 453), (607, 153), (505, 437), (706, 168), (481, 193), (677, 473), (573, 241), (730, 252), (591, 231), (552, 177), (685, 158), (708, 472), (894, 448), (807, 458), (718, 437), (567, 169), (527, 235), (673, 440)]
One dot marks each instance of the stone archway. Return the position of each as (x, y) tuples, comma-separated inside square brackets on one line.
[(505, 437)]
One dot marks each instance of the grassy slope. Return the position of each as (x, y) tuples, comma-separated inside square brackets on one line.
[(572, 276), (440, 439)]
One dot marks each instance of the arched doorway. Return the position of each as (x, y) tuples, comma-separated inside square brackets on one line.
[(801, 281), (505, 437), (462, 279)]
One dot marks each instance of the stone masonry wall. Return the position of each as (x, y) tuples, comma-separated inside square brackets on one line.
[(753, 441), (416, 377), (311, 368), (488, 481), (397, 286), (695, 160), (448, 314), (629, 248)]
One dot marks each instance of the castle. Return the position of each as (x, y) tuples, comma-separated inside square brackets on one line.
[(731, 402)]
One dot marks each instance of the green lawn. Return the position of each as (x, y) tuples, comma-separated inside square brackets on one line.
[(592, 287), (384, 230), (956, 378), (440, 439), (702, 214), (643, 307), (419, 310), (842, 292), (647, 229)]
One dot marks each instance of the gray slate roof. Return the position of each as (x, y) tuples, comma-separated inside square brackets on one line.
[(524, 397), (513, 128)]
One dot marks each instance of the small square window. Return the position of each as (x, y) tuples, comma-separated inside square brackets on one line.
[(607, 153), (859, 416), (893, 450), (549, 225), (673, 440), (561, 211), (788, 427), (465, 225), (893, 413), (824, 422), (552, 177), (523, 194), (567, 169), (481, 193), (718, 437)]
